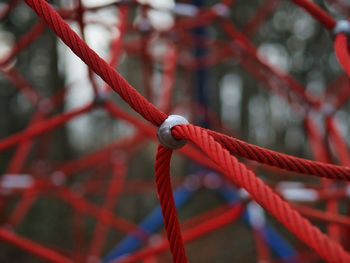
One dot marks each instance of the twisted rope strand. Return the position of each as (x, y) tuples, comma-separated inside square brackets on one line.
[(165, 195), (217, 146), (238, 174), (342, 52), (96, 63), (280, 160)]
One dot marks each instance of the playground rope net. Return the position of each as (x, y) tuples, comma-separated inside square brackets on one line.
[(214, 150)]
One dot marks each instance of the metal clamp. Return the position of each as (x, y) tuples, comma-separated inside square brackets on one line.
[(164, 132), (342, 27)]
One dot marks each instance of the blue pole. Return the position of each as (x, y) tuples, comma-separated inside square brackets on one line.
[(152, 224)]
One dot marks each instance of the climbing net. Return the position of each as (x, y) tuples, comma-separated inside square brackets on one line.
[(235, 179)]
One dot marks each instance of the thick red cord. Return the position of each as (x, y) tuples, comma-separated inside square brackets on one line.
[(342, 52), (167, 203), (22, 152), (146, 109), (211, 143), (258, 154), (96, 63), (238, 174), (281, 160)]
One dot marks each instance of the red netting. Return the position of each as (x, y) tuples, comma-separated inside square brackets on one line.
[(211, 149)]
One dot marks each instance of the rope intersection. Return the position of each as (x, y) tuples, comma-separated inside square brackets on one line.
[(209, 148)]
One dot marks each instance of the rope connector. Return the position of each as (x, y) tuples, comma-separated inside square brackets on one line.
[(164, 132), (342, 27)]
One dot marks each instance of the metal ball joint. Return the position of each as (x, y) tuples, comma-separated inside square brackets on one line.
[(342, 27), (164, 132)]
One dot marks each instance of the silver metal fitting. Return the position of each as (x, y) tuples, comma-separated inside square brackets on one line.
[(342, 27), (164, 132)]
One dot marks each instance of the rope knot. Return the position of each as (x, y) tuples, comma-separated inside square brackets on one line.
[(165, 136)]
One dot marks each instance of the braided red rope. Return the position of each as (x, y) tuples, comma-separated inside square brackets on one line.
[(151, 113), (280, 160), (211, 143), (238, 174), (167, 203), (96, 63), (342, 52), (112, 195)]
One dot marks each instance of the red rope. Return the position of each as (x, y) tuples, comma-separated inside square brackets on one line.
[(96, 63), (238, 174), (42, 127), (200, 229), (24, 42), (167, 203), (281, 160), (342, 52), (250, 52), (259, 154), (114, 190), (217, 146), (23, 150)]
